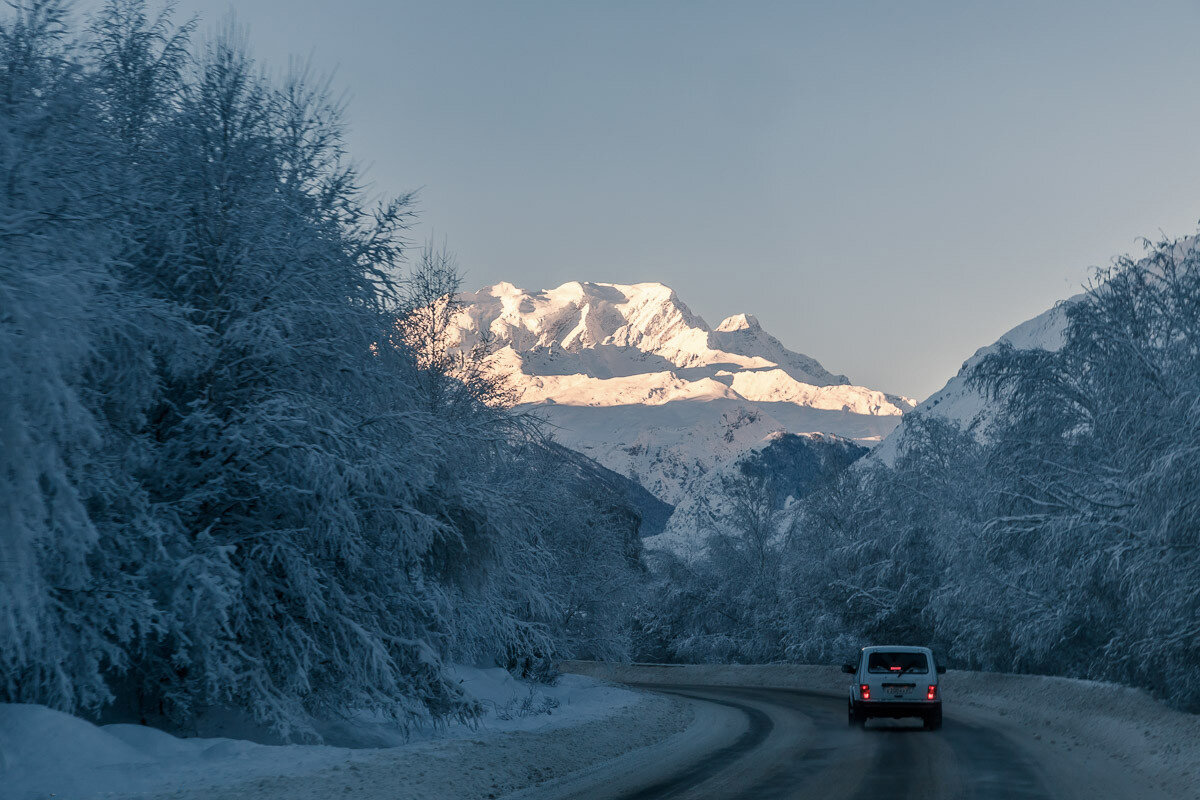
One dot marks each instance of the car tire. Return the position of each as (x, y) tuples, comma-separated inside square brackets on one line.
[(933, 720), (855, 719)]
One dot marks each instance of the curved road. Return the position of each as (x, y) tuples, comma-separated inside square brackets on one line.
[(759, 744)]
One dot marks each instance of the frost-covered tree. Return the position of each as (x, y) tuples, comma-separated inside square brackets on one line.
[(1095, 528), (596, 572), (868, 556), (231, 476), (543, 561), (75, 527), (725, 603), (453, 381), (287, 446)]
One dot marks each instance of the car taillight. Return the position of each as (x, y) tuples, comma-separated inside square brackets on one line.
[(865, 691), (931, 694)]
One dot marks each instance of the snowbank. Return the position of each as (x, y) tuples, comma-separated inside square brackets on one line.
[(1105, 723), (45, 752), (48, 753)]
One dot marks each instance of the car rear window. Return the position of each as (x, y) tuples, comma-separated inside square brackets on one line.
[(883, 662)]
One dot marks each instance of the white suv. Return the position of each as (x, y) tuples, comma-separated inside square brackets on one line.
[(895, 681)]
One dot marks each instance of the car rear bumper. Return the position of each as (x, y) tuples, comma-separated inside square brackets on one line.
[(895, 710)]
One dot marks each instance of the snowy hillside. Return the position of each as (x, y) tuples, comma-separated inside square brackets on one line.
[(957, 401), (629, 376), (757, 483), (618, 495)]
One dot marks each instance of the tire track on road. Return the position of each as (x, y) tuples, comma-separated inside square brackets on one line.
[(798, 746), (760, 727)]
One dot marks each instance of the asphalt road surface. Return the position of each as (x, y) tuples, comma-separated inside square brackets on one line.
[(760, 744)]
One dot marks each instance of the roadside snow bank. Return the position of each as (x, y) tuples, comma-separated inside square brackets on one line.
[(470, 768), (1106, 723), (45, 752), (1119, 735)]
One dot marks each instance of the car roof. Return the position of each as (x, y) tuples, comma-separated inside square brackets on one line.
[(896, 648)]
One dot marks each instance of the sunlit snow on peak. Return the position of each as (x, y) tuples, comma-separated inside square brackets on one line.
[(629, 375), (739, 322)]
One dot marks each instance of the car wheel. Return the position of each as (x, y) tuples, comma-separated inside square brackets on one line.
[(854, 718), (933, 720)]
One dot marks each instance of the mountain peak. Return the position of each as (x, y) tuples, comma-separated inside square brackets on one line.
[(502, 289), (607, 330), (739, 322), (629, 376)]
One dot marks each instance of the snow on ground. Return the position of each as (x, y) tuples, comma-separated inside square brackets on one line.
[(1106, 740), (46, 753), (469, 768), (1103, 724)]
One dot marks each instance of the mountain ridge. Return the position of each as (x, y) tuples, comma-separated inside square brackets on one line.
[(646, 317), (628, 375), (579, 335)]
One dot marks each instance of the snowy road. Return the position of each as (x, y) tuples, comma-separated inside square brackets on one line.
[(688, 732), (762, 743), (787, 744), (797, 745)]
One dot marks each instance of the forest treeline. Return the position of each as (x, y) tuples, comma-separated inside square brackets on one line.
[(237, 465), (1061, 538)]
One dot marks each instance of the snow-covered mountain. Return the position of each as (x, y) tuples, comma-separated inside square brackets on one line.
[(629, 376)]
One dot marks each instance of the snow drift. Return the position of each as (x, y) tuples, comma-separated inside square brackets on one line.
[(44, 752)]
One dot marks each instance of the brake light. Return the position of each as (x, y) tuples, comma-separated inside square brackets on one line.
[(865, 691), (932, 693)]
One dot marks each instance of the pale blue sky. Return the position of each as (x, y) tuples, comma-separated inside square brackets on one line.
[(887, 186)]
